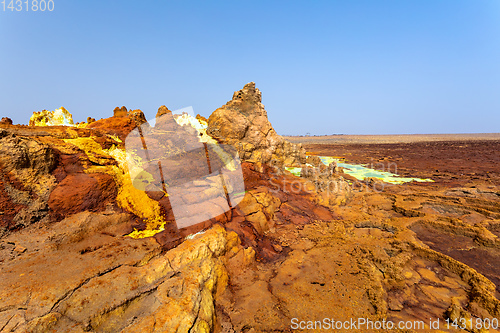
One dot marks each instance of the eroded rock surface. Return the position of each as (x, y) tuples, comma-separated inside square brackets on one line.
[(68, 208), (243, 122), (6, 120), (309, 247), (104, 282), (26, 165)]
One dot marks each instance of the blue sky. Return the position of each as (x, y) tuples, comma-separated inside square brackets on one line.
[(324, 67)]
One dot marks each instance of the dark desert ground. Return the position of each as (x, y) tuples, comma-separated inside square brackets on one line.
[(464, 196), (443, 157)]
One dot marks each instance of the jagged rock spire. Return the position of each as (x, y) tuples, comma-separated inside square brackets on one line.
[(243, 123)]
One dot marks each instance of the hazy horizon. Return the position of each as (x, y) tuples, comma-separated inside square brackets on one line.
[(392, 134)]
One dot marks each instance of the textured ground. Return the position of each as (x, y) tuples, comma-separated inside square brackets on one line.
[(455, 218), (401, 252), (447, 162), (71, 261), (308, 248)]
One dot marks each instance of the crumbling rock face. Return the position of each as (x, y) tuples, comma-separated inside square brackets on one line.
[(80, 271), (25, 173), (82, 192), (137, 117), (162, 110), (27, 155), (120, 112), (243, 122), (6, 120), (122, 122), (101, 281)]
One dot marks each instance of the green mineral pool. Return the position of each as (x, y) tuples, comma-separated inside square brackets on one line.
[(360, 172)]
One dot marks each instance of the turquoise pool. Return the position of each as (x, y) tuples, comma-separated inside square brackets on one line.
[(360, 172)]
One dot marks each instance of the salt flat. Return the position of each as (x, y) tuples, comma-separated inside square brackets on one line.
[(391, 138)]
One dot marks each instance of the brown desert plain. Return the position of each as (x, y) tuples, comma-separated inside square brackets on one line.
[(465, 195), (84, 249)]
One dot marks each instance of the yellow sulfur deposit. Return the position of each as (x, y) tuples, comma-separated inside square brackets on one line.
[(92, 149), (132, 196), (129, 197), (135, 200), (57, 117)]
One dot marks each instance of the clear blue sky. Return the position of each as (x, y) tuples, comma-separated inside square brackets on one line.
[(324, 67)]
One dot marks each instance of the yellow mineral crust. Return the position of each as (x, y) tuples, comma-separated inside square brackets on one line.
[(129, 197), (57, 117)]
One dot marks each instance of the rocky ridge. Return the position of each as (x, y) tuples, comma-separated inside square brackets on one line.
[(68, 206), (243, 122), (293, 248)]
